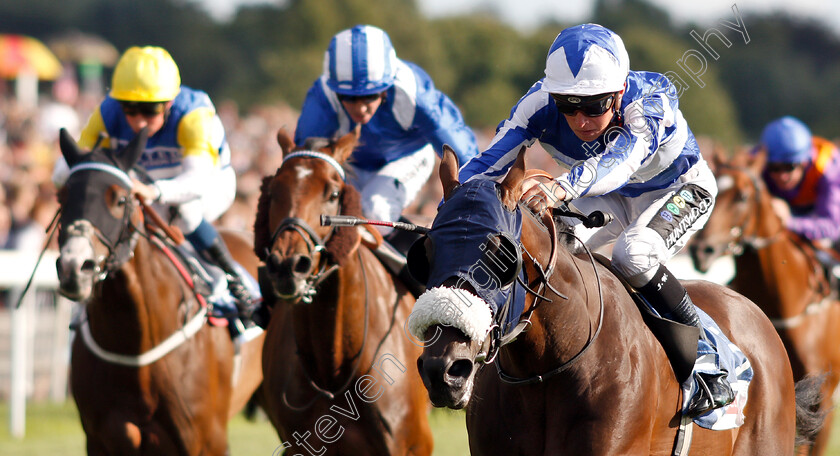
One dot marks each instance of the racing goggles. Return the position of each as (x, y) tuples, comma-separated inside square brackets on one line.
[(131, 109), (782, 167), (591, 106), (363, 98)]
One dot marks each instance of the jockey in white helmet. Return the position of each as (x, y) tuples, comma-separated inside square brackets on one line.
[(630, 153), (404, 119)]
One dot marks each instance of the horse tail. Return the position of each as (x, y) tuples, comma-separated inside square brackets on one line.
[(809, 417)]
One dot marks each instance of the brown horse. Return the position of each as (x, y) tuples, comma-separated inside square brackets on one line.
[(776, 269), (148, 375), (586, 376), (336, 361)]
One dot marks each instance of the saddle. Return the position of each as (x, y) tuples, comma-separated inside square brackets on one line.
[(678, 340)]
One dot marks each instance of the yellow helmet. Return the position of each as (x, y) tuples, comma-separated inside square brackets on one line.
[(146, 74)]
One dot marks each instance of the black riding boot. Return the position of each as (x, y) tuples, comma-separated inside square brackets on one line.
[(220, 255), (670, 299)]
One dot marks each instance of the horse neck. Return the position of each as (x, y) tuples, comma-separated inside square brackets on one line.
[(330, 331), (560, 328), (137, 305), (773, 275)]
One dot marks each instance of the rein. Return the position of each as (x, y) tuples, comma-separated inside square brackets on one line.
[(175, 340), (757, 243), (322, 392), (545, 275)]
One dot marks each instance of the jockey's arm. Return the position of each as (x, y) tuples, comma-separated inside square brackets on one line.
[(197, 137)]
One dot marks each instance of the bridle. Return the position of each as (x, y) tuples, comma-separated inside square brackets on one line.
[(541, 283), (121, 247), (120, 250), (314, 243), (738, 240)]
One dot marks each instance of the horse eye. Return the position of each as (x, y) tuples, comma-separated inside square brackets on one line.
[(122, 201), (334, 195)]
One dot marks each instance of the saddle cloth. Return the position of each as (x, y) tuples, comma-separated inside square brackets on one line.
[(729, 357)]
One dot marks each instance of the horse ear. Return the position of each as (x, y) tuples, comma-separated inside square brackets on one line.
[(759, 160), (512, 185), (284, 139), (69, 148), (718, 158), (346, 144), (132, 152), (448, 171)]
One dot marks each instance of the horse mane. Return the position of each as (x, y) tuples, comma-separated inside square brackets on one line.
[(262, 232), (340, 245), (566, 237)]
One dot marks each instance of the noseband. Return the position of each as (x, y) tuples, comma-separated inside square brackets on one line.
[(495, 339), (314, 244)]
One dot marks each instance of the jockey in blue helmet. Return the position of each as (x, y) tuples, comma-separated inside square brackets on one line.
[(803, 173), (630, 153), (404, 119)]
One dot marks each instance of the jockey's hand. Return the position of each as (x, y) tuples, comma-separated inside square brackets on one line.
[(148, 193), (782, 210), (543, 196)]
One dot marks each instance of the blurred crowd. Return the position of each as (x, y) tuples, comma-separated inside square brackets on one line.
[(29, 148)]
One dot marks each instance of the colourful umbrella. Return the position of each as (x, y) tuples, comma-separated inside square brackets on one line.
[(21, 54)]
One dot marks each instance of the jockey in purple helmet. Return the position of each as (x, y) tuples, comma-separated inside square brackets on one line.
[(803, 173), (404, 119), (630, 153)]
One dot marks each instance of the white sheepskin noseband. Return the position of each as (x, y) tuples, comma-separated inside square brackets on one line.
[(451, 307)]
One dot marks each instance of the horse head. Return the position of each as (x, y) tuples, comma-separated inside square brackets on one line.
[(98, 214), (298, 252), (470, 260), (743, 215)]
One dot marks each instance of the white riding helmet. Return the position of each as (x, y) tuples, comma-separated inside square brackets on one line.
[(360, 61), (585, 60)]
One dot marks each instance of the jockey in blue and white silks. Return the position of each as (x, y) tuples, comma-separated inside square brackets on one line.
[(404, 119), (629, 152)]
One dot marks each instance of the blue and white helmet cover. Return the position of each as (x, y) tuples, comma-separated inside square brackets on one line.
[(360, 61), (585, 60)]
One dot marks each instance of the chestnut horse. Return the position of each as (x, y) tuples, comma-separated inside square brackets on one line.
[(776, 269), (336, 361), (148, 375), (586, 376)]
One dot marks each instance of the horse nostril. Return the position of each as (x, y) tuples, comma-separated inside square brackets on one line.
[(88, 267), (708, 250), (302, 264), (460, 369)]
